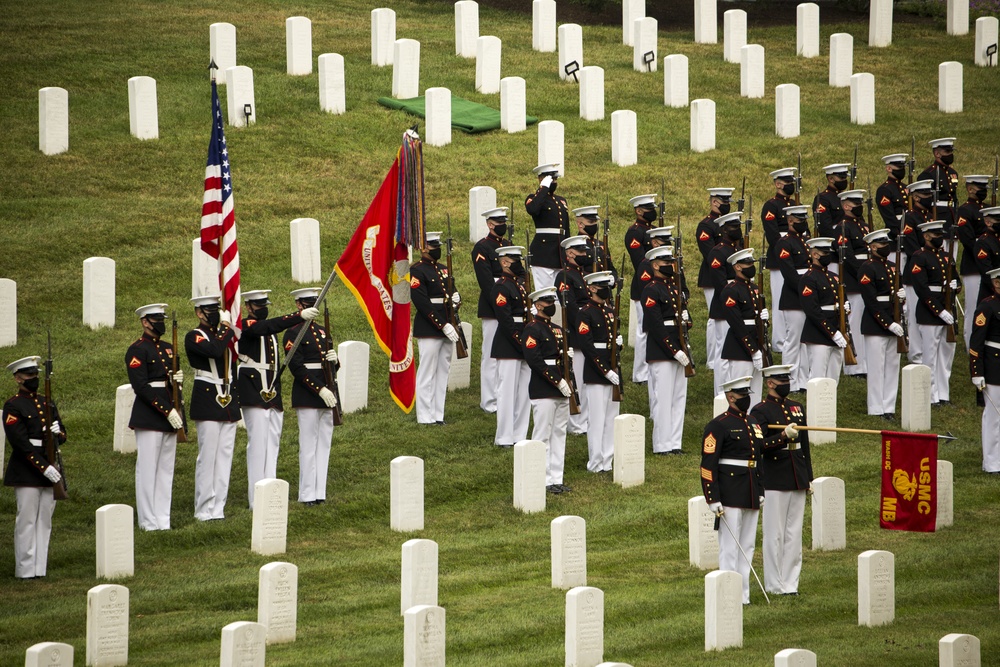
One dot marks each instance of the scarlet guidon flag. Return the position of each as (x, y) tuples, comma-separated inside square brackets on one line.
[(218, 222), (909, 481), (375, 264)]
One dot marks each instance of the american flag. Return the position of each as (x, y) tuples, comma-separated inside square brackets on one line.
[(218, 223)]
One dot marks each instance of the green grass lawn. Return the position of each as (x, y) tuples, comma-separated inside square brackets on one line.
[(139, 203)]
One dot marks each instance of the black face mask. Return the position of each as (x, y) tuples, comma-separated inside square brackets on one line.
[(260, 313), (500, 230), (788, 189), (435, 253), (840, 186), (31, 384), (884, 251), (995, 227), (948, 159), (604, 293), (743, 403), (549, 310), (980, 195), (937, 241), (517, 268), (749, 272), (725, 208), (734, 234), (590, 230), (800, 227), (826, 260), (649, 215), (783, 389), (898, 173), (584, 260), (159, 327), (926, 202), (666, 270), (213, 318), (552, 188)]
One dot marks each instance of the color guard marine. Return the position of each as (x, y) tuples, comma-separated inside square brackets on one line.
[(891, 196), (987, 248), (793, 262), (851, 236), (573, 295), (709, 235), (594, 327), (588, 223), (772, 217), (637, 244), (818, 297), (510, 308), (984, 367), (487, 268), (970, 226), (721, 272), (827, 210), (921, 197), (940, 172), (744, 308), (550, 213)]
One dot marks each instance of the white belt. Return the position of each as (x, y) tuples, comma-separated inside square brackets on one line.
[(883, 299), (256, 365), (829, 308), (158, 384), (437, 299), (861, 256), (518, 318), (669, 323), (782, 234), (935, 288), (36, 442), (548, 230), (601, 346), (750, 323), (801, 272), (313, 366), (739, 463), (206, 376), (990, 343), (550, 362), (793, 446)]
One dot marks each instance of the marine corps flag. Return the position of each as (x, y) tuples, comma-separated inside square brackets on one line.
[(909, 481), (375, 264)]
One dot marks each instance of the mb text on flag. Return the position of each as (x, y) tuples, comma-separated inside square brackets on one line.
[(909, 481)]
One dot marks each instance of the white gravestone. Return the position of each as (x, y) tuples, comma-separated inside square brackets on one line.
[(204, 271), (723, 610), (569, 552), (124, 438), (239, 84), (950, 87), (795, 657), (752, 71), (958, 17), (551, 135), (49, 654), (488, 50), (222, 47), (352, 378), (466, 28), (107, 626), (945, 494), (821, 409), (270, 517), (419, 585), (706, 22), (513, 104), (405, 69), (332, 94), (734, 34), (584, 626), (644, 48), (383, 36), (278, 601), (624, 138), (703, 539), (406, 494), (592, 93), (719, 404), (987, 31), (99, 292), (53, 120), (306, 266), (115, 542), (630, 450), (841, 59), (8, 312), (614, 664), (424, 636), (786, 110), (863, 99), (880, 23), (958, 650), (529, 476), (916, 398), (460, 371), (876, 588), (543, 25), (675, 80), (570, 49), (829, 514), (807, 30), (481, 198), (437, 112), (142, 114), (298, 45), (243, 645), (702, 125), (631, 10)]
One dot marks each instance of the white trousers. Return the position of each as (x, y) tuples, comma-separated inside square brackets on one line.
[(551, 416), (711, 354), (744, 525), (970, 287), (263, 439), (825, 361), (991, 429), (640, 369), (488, 368), (315, 440), (601, 431), (730, 370), (432, 378), (667, 401), (783, 512), (915, 352), (721, 331), (883, 374), (32, 529), (579, 424), (513, 403), (939, 355), (794, 352), (154, 477), (543, 277), (854, 324), (216, 442), (777, 316)]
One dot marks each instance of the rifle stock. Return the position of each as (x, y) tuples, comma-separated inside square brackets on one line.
[(850, 356), (59, 491), (176, 395), (328, 375)]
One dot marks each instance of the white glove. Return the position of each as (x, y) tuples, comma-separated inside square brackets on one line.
[(533, 311), (839, 339), (179, 376), (619, 341), (449, 331), (546, 182), (896, 329), (760, 499), (764, 315), (758, 360), (953, 284), (328, 397), (791, 432), (56, 427), (685, 317), (564, 389), (174, 417), (901, 294), (946, 317), (847, 307), (225, 318), (309, 314), (456, 299), (569, 352), (613, 378), (682, 358), (52, 474), (332, 357), (716, 509), (979, 382)]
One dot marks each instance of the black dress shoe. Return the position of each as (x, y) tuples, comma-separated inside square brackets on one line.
[(675, 452), (441, 422), (565, 489), (505, 446), (554, 489)]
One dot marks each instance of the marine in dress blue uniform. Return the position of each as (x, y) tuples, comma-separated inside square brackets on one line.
[(827, 210), (940, 172), (721, 273), (970, 227), (851, 235), (637, 244), (744, 307), (880, 330), (709, 235), (573, 295), (487, 269), (550, 213), (793, 262), (818, 296), (775, 224), (510, 308), (594, 327), (890, 196), (921, 198), (934, 316), (984, 368)]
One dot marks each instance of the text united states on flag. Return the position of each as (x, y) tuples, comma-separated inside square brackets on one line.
[(218, 223)]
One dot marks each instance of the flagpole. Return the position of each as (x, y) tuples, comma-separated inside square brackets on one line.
[(833, 429)]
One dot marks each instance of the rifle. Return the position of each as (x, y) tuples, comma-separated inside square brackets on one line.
[(510, 224), (461, 347), (763, 326), (912, 164), (996, 177), (854, 169), (618, 390), (529, 282), (869, 205), (850, 355), (662, 205), (949, 275), (607, 232), (742, 199), (748, 222), (798, 181), (51, 451), (328, 375), (177, 396), (681, 327), (902, 342), (567, 370)]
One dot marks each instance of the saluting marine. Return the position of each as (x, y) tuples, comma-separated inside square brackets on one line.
[(744, 308), (940, 172), (595, 324), (818, 297), (573, 295), (510, 308), (827, 209), (891, 197), (851, 235), (487, 268), (793, 262), (984, 367), (637, 244), (550, 214), (709, 235)]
